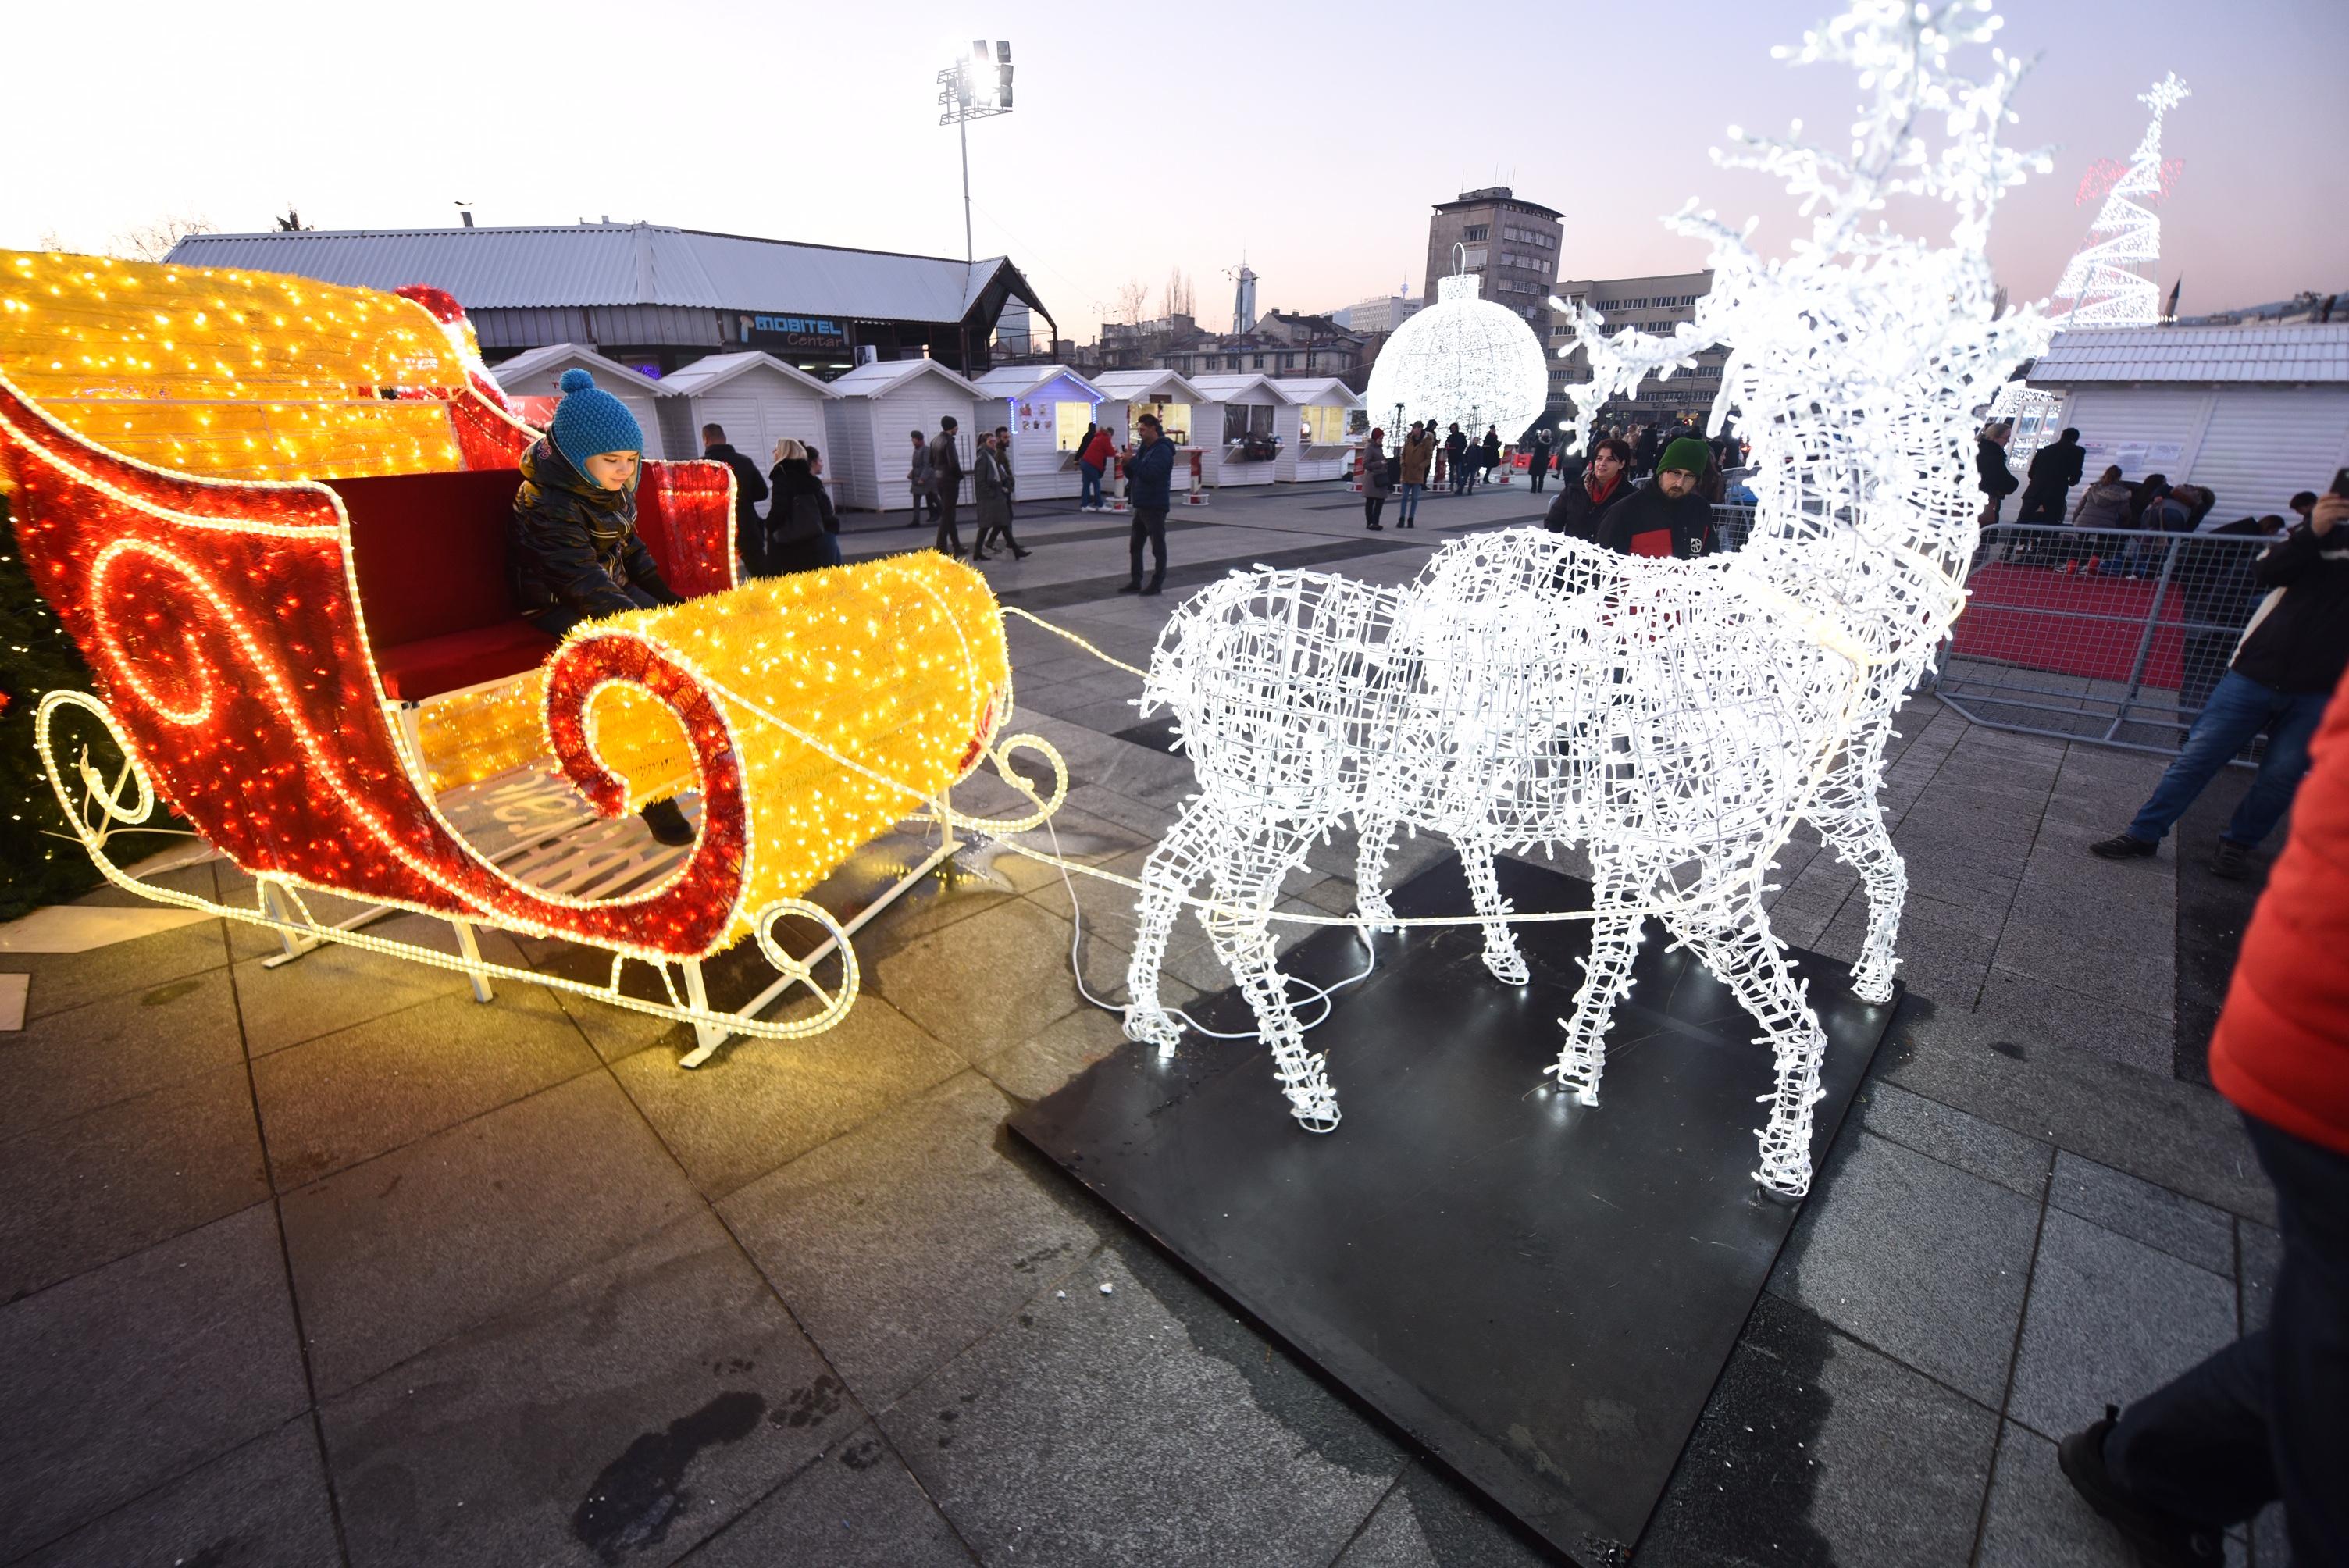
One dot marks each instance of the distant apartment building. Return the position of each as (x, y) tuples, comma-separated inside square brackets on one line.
[(1284, 343), (1652, 305), (1513, 245), (1138, 345), (1378, 315), (1281, 345)]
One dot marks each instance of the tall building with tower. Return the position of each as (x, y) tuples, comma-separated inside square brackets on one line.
[(1512, 244)]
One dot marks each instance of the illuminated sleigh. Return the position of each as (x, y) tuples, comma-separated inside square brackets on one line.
[(323, 676)]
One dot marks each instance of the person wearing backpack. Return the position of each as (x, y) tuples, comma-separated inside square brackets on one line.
[(801, 524)]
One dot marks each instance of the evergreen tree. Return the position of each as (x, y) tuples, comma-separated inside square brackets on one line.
[(40, 862)]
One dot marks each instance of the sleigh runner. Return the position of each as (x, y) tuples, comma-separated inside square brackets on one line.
[(270, 513)]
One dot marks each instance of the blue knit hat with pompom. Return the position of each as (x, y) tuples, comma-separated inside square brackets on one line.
[(590, 421)]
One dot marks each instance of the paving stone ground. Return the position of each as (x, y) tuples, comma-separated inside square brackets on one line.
[(330, 1265)]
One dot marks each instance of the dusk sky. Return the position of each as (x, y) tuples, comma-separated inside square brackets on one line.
[(1310, 137)]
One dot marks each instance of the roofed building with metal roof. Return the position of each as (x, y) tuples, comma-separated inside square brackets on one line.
[(2304, 352), (656, 298)]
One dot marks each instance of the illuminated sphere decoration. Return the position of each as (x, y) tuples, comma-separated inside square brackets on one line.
[(1464, 360)]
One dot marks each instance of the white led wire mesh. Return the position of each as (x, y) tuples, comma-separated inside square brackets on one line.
[(1677, 717), (1462, 360)]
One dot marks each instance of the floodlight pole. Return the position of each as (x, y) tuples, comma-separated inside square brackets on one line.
[(959, 104), (962, 130)]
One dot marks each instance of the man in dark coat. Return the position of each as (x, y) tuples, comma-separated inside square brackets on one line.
[(1149, 475), (2055, 469), (1668, 516), (1455, 454), (945, 483), (1997, 481), (749, 485), (1538, 461), (1645, 451)]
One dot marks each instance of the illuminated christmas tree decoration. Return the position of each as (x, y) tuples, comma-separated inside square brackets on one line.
[(1464, 360), (1676, 718), (2103, 280)]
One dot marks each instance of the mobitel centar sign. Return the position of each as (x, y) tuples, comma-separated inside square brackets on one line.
[(794, 332)]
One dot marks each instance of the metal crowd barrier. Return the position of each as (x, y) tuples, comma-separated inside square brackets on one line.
[(2111, 636)]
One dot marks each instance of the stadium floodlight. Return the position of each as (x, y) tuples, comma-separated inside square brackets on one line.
[(974, 88)]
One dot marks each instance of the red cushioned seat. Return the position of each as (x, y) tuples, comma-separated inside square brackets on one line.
[(430, 553), (430, 665)]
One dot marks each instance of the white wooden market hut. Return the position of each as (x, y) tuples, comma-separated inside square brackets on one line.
[(1127, 395), (1046, 408), (537, 373), (1319, 447), (876, 409), (2254, 411), (1244, 423), (757, 399)]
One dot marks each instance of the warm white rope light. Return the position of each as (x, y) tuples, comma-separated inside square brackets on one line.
[(1678, 717), (1462, 360)]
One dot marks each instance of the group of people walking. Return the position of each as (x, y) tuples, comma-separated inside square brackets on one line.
[(936, 477)]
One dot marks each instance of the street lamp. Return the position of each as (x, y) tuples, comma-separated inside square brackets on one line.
[(971, 89)]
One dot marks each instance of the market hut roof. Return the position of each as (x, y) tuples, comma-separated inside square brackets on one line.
[(714, 371), (888, 374), (2302, 352)]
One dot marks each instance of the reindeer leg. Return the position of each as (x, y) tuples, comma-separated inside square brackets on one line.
[(1174, 867), (1374, 837), (1247, 883), (1607, 975), (1849, 817), (1742, 950), (1501, 954)]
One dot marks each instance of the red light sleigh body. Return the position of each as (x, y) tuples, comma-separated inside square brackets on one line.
[(222, 619)]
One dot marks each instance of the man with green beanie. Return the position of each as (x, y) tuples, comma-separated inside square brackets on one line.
[(1666, 516)]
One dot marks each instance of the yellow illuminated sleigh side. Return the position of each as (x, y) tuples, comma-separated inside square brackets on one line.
[(222, 618)]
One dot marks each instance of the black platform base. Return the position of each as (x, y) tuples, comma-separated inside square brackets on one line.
[(1541, 1292)]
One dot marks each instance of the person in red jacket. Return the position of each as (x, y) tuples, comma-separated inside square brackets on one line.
[(2268, 1417), (1093, 454)]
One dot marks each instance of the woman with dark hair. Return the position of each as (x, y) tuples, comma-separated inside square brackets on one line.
[(800, 521), (1583, 504), (1375, 480)]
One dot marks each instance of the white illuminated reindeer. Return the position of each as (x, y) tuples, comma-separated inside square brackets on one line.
[(1677, 717)]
